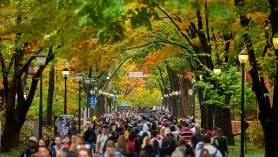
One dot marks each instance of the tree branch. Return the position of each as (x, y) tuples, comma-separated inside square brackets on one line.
[(26, 65), (176, 25)]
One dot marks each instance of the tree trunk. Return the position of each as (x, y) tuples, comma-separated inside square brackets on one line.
[(50, 96), (208, 116), (16, 115), (226, 125), (100, 105), (185, 85)]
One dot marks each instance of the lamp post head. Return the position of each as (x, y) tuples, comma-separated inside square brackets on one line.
[(80, 77), (190, 92), (217, 70), (41, 59), (243, 56), (87, 81), (275, 40), (201, 77), (100, 91), (65, 73)]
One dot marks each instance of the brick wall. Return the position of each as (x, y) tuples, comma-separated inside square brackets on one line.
[(236, 126)]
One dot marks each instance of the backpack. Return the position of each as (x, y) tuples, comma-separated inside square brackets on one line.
[(168, 146), (212, 155), (131, 147), (202, 148)]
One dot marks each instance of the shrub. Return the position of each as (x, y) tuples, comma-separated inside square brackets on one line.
[(256, 134)]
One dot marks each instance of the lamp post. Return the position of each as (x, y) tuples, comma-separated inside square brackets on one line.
[(41, 58), (65, 73), (93, 91), (203, 120), (80, 79), (242, 57), (275, 44), (217, 71), (87, 81), (115, 98), (190, 93)]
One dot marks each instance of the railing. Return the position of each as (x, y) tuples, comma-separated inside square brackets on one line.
[(29, 126)]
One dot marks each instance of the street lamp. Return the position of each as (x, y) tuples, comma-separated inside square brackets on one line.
[(87, 81), (203, 120), (65, 73), (275, 44), (242, 57), (190, 93), (217, 71), (41, 58), (80, 79)]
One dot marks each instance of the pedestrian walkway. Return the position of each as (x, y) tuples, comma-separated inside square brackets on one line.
[(133, 132)]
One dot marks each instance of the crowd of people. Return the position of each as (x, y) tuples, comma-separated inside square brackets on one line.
[(133, 133)]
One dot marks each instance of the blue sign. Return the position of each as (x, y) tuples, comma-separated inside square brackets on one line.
[(93, 100), (114, 98)]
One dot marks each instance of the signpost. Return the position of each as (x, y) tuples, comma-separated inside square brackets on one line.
[(93, 102)]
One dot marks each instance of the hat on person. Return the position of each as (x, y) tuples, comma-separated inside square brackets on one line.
[(219, 130), (33, 139), (165, 124)]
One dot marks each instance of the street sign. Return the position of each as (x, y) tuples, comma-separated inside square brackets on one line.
[(93, 106), (93, 100), (114, 98), (136, 75)]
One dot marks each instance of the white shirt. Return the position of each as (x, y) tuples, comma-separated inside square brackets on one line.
[(101, 139)]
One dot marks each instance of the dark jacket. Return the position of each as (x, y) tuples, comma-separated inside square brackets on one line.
[(53, 152), (90, 136), (27, 153), (73, 131), (148, 149), (71, 154)]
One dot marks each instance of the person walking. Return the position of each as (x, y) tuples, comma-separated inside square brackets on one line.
[(221, 142), (121, 146), (90, 137), (186, 132), (58, 146), (73, 130), (207, 148), (32, 147), (147, 145), (101, 139), (133, 144), (111, 150)]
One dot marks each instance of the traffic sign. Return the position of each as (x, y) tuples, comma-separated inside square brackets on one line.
[(93, 106), (93, 100), (114, 98)]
